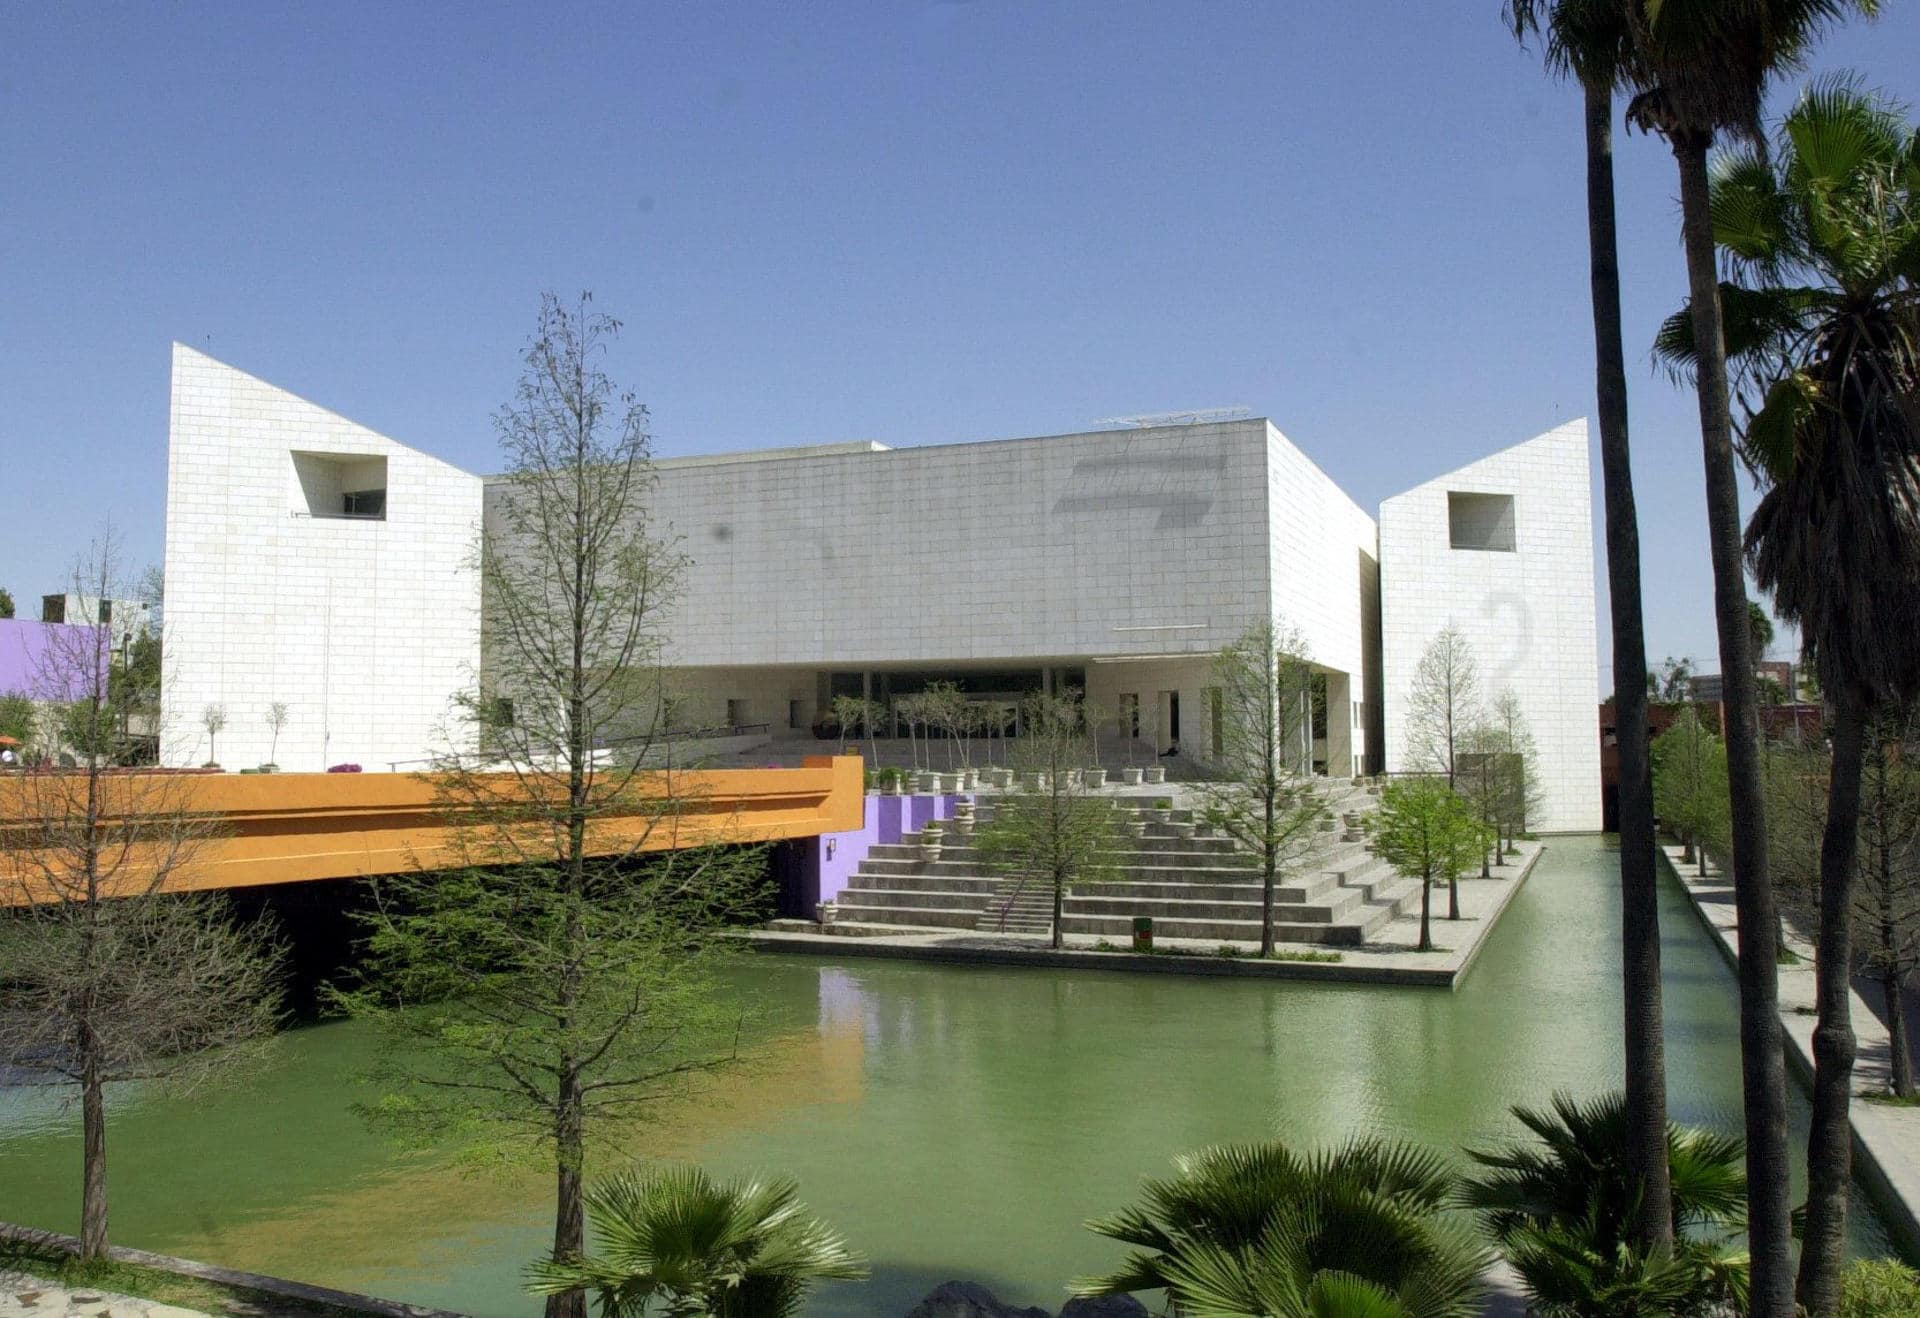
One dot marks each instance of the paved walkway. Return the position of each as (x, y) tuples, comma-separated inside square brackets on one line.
[(1886, 1139), (22, 1296), (1389, 959)]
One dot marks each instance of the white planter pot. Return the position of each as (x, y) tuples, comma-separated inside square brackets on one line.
[(1157, 774), (1094, 778), (1067, 778), (927, 782), (1131, 777), (949, 783), (828, 914)]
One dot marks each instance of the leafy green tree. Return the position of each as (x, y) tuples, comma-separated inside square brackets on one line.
[(6, 602), (1482, 780), (19, 717), (673, 1241), (1051, 830), (1690, 785), (538, 995), (1592, 41), (1671, 682), (1820, 235), (1703, 68), (1266, 796), (1427, 832), (1260, 1229), (1759, 630)]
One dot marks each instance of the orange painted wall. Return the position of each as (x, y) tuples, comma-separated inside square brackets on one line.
[(290, 828)]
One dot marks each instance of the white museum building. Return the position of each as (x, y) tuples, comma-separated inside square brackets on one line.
[(314, 563)]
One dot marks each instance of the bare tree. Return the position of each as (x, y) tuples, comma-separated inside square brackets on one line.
[(108, 977), (1886, 891), (1443, 703), (1267, 797), (539, 996)]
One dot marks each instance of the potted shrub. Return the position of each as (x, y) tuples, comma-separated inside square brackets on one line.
[(828, 914), (1130, 777), (1136, 822), (949, 783), (1095, 779), (1162, 810), (1155, 773), (931, 838), (962, 816), (926, 780)]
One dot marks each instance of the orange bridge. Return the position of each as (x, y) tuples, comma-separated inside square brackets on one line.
[(300, 827)]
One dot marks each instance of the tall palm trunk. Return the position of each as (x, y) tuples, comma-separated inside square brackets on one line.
[(1762, 1066), (1830, 1136), (1646, 1059)]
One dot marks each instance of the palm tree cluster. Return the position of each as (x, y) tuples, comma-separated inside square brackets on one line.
[(1258, 1229), (1813, 331)]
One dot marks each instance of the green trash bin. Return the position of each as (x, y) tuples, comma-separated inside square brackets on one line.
[(1143, 933)]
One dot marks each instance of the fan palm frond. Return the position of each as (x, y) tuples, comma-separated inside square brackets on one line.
[(676, 1238)]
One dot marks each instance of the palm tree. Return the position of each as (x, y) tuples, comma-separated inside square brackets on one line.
[(1565, 1210), (675, 1242), (1592, 41), (1580, 1170), (1704, 67), (1823, 327), (1259, 1229)]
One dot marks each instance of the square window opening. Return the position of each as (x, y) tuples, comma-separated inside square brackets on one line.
[(1481, 521), (340, 485)]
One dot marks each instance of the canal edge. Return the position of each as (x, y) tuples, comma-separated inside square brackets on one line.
[(1885, 1139), (252, 1281)]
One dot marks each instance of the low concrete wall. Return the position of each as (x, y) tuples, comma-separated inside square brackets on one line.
[(253, 1281), (1886, 1140)]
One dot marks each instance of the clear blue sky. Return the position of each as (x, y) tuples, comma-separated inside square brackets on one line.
[(907, 221)]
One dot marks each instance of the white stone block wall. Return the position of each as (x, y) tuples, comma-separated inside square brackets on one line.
[(1113, 542), (365, 629), (1529, 613)]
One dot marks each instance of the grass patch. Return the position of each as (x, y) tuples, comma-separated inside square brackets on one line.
[(50, 1263), (1892, 1100)]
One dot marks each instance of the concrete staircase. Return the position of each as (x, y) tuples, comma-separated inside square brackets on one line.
[(1194, 887)]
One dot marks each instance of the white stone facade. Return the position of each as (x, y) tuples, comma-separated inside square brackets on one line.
[(1123, 559), (1528, 610), (363, 626)]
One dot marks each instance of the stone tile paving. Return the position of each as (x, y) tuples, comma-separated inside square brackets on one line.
[(22, 1296), (1886, 1139)]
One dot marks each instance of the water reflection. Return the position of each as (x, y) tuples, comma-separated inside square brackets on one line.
[(952, 1122)]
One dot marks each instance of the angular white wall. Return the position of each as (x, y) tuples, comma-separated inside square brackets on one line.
[(364, 628), (1529, 612)]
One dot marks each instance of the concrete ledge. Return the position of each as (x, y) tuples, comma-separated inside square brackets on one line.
[(1886, 1140), (292, 1290), (1368, 964)]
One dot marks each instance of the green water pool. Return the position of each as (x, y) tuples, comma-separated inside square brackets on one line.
[(952, 1121)]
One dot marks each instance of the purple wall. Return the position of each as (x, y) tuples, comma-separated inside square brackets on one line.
[(46, 660), (826, 863)]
